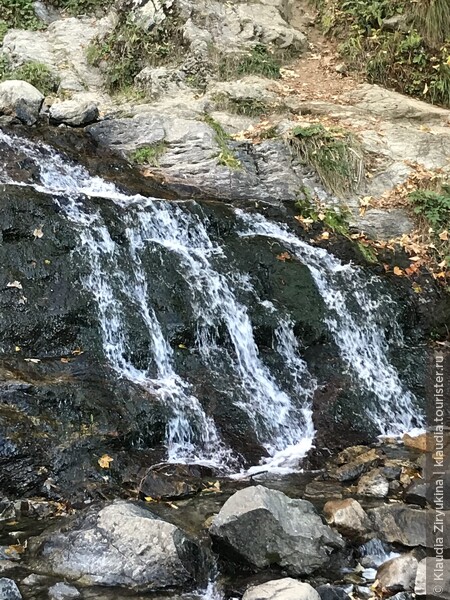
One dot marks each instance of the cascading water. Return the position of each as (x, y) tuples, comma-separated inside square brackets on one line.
[(278, 408)]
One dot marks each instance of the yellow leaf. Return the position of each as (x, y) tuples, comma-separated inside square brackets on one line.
[(38, 233), (47, 262), (149, 499), (444, 236), (104, 461), (325, 235), (416, 287), (17, 348), (398, 271), (182, 346)]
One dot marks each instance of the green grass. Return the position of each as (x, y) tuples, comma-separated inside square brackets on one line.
[(35, 73), (126, 50), (257, 61), (413, 60), (81, 7), (149, 155), (226, 156), (250, 107), (333, 153)]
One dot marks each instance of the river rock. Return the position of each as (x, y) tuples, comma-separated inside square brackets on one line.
[(9, 590), (121, 544), (332, 592), (428, 585), (20, 99), (282, 589), (397, 575), (265, 527), (356, 466), (349, 518), (373, 483), (406, 525), (62, 591), (74, 112)]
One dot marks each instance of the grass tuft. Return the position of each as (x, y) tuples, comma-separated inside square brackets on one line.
[(226, 156), (257, 61), (149, 155), (35, 73), (333, 153)]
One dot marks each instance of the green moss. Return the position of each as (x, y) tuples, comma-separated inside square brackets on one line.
[(126, 50), (333, 153), (149, 155), (257, 61), (226, 156), (35, 73)]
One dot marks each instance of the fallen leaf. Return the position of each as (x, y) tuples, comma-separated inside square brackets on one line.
[(17, 348), (182, 346), (399, 272), (15, 284), (444, 236), (325, 235), (64, 360), (149, 499), (284, 256), (33, 360), (105, 461), (38, 233)]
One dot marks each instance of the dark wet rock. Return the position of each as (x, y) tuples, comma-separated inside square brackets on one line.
[(397, 575), (20, 99), (391, 470), (374, 484), (121, 544), (332, 592), (282, 589), (356, 465), (402, 596), (349, 518), (170, 482), (62, 591), (323, 489), (429, 587), (9, 590), (374, 553), (406, 525), (265, 527), (417, 493)]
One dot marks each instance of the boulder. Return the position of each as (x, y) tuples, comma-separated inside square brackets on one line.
[(397, 575), (20, 99), (349, 518), (332, 592), (429, 586), (356, 465), (282, 589), (265, 527), (62, 591), (405, 525), (419, 442), (9, 590), (75, 112), (122, 544), (373, 483)]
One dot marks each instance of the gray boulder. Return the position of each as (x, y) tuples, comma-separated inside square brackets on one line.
[(332, 592), (409, 526), (349, 518), (265, 527), (427, 584), (75, 112), (397, 575), (20, 99), (374, 484), (282, 589), (9, 590), (62, 591), (354, 464), (121, 544)]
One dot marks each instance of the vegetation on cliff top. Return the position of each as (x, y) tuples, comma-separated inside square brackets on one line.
[(401, 44)]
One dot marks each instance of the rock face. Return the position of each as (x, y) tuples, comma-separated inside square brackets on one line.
[(374, 484), (332, 592), (429, 586), (20, 99), (349, 518), (62, 591), (265, 527), (282, 589), (74, 112), (120, 545), (397, 575), (9, 590)]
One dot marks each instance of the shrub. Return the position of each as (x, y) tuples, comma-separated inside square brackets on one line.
[(18, 14), (35, 73), (257, 61), (79, 7), (226, 156), (333, 153), (126, 50)]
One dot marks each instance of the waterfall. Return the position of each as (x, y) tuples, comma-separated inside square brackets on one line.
[(278, 408), (355, 320)]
